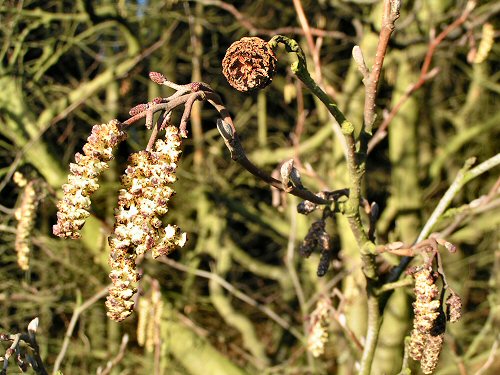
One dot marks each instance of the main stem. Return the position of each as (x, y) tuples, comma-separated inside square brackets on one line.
[(356, 163)]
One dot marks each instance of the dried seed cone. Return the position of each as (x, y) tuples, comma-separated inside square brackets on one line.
[(249, 64), (82, 180), (138, 228), (26, 215), (317, 237)]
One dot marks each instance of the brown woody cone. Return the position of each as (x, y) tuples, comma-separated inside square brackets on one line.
[(249, 64)]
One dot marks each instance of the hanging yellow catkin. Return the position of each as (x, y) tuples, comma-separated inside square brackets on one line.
[(318, 327), (143, 312), (26, 216), (486, 44)]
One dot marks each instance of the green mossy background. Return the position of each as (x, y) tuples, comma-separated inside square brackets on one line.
[(66, 65)]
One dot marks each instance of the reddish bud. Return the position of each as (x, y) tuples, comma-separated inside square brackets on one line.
[(195, 86), (157, 77)]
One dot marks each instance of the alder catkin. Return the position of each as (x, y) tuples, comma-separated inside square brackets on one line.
[(426, 310), (72, 209), (142, 201), (26, 216)]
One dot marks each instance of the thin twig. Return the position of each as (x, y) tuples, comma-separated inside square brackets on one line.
[(243, 19), (463, 176), (230, 136), (118, 358), (299, 9), (491, 358), (390, 15), (74, 319), (290, 265), (396, 285), (237, 293), (425, 75)]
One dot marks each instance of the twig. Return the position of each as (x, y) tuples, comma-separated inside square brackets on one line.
[(425, 75), (396, 285), (243, 20), (237, 293), (477, 206), (74, 319), (405, 366), (491, 358), (290, 265), (299, 68), (20, 343), (390, 15), (118, 358), (299, 9), (202, 91), (463, 176), (340, 318)]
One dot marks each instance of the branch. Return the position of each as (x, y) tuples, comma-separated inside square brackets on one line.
[(186, 95), (390, 15), (74, 319), (425, 75), (237, 293), (463, 176), (118, 358), (355, 165), (243, 19), (299, 68), (25, 350)]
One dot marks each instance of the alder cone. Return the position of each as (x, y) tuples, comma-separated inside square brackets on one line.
[(249, 64)]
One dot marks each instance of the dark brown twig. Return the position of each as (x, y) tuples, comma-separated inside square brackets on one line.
[(202, 91), (19, 343)]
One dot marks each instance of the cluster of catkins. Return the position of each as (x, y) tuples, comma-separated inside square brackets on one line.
[(142, 201), (429, 323)]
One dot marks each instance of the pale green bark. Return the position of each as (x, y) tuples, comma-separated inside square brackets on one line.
[(405, 202), (194, 352)]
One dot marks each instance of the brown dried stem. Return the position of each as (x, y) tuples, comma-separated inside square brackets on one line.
[(425, 75), (202, 91), (243, 19), (390, 15)]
